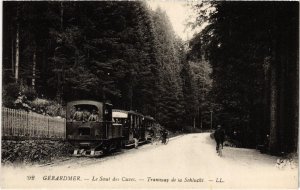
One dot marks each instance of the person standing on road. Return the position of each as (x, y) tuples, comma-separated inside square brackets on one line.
[(219, 137), (164, 135), (152, 135)]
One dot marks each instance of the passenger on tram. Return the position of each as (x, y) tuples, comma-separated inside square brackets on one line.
[(93, 116), (78, 115)]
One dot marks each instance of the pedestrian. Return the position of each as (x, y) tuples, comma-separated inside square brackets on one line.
[(219, 137), (136, 142), (151, 135), (164, 135)]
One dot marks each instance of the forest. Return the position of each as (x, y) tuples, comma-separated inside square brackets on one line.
[(120, 52), (240, 71), (253, 50)]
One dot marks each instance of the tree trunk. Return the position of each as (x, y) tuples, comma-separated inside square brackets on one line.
[(273, 110), (33, 69), (12, 57), (17, 55), (284, 82), (59, 90), (61, 15), (130, 95), (293, 77), (265, 130), (295, 108), (273, 143), (282, 122)]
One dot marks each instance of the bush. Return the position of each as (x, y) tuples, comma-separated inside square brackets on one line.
[(8, 101), (47, 107), (14, 91), (30, 93), (39, 102), (55, 110), (10, 94), (11, 90), (23, 97)]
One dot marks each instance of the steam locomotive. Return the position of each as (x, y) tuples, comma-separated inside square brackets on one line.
[(94, 128)]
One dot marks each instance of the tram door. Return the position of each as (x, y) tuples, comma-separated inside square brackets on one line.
[(131, 130)]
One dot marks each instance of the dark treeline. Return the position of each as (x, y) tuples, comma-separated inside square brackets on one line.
[(121, 52), (253, 50)]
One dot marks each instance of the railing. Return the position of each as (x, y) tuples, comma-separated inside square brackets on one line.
[(18, 123)]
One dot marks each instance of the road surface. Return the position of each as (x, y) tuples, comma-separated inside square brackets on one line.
[(187, 161)]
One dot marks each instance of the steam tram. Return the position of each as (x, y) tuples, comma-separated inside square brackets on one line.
[(92, 136), (94, 128)]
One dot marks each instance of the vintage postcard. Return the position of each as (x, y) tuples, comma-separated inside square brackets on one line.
[(150, 94)]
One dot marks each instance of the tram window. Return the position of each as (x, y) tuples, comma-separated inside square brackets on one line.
[(83, 112)]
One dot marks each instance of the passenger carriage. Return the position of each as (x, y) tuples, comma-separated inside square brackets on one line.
[(132, 125)]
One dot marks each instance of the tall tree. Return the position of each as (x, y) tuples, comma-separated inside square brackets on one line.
[(251, 46)]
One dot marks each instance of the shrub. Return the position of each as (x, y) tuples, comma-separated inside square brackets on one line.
[(48, 107), (30, 93), (55, 110), (15, 95), (11, 90), (39, 105), (39, 102), (10, 94)]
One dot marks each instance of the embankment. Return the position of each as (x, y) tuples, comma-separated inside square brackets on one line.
[(24, 151)]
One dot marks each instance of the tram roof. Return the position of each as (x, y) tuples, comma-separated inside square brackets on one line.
[(88, 102), (118, 112)]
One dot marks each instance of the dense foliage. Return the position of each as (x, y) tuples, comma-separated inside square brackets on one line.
[(253, 49), (121, 52)]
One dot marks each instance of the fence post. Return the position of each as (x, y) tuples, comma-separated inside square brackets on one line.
[(9, 122), (13, 118), (27, 127), (23, 123), (31, 126), (48, 128), (65, 128), (3, 123)]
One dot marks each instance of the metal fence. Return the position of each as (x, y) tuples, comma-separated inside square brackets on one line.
[(18, 123)]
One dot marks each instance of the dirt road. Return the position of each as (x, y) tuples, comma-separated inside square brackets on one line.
[(187, 161)]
